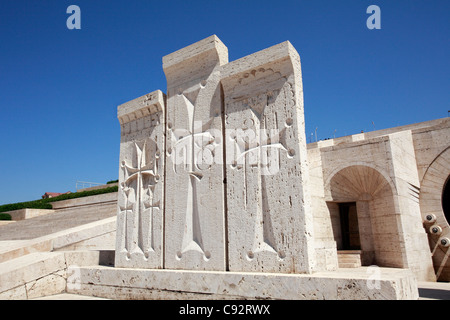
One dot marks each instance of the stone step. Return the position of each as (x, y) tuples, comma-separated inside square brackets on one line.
[(42, 273), (69, 296), (349, 265), (96, 235), (30, 275), (349, 259), (60, 220)]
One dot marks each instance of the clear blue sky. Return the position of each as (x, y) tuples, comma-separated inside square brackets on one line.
[(60, 88)]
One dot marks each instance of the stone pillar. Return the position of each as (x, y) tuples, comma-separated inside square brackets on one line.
[(139, 239), (413, 240), (195, 205), (270, 221)]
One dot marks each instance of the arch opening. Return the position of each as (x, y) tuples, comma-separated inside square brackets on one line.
[(365, 192), (446, 200)]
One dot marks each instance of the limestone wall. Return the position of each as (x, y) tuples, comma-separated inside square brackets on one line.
[(415, 162), (28, 213), (381, 172), (432, 152), (325, 234)]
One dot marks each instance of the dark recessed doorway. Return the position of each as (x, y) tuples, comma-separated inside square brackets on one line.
[(446, 200), (349, 226)]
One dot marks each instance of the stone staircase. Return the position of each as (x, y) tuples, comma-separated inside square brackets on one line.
[(349, 258), (37, 254), (61, 219)]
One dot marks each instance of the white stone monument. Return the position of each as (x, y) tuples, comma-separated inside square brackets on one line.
[(195, 205), (214, 190), (268, 201)]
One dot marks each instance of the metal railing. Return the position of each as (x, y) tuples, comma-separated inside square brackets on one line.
[(84, 184)]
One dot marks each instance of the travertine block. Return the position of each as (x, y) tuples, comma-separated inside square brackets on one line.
[(141, 183), (268, 202), (176, 284), (195, 214)]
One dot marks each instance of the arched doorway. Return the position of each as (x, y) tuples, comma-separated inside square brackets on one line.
[(363, 198)]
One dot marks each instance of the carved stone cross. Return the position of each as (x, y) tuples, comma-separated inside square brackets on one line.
[(141, 179)]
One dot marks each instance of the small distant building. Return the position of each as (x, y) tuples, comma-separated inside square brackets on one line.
[(48, 195)]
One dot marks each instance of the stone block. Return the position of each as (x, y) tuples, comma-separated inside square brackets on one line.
[(140, 216), (195, 204), (29, 268), (270, 223), (360, 283)]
